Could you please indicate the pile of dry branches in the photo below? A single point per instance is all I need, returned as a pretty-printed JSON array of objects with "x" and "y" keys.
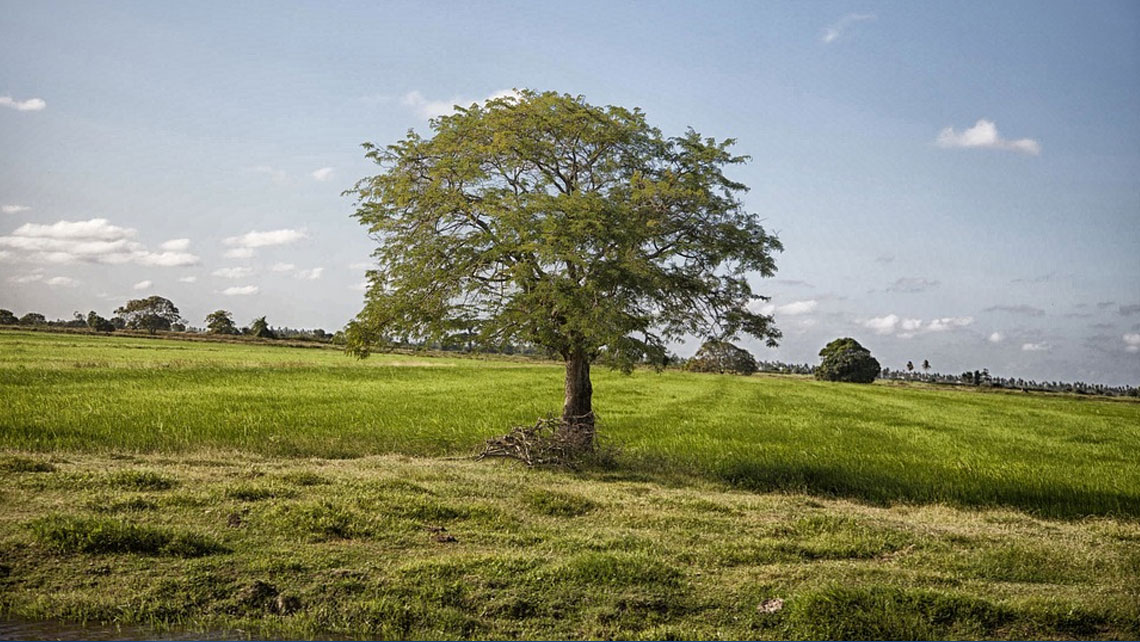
[{"x": 549, "y": 442}]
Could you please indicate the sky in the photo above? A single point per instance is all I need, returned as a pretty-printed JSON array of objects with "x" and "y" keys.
[{"x": 952, "y": 181}]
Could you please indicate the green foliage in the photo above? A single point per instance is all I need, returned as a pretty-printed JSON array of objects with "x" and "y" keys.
[
  {"x": 845, "y": 360},
  {"x": 260, "y": 328},
  {"x": 72, "y": 534},
  {"x": 722, "y": 357},
  {"x": 33, "y": 318},
  {"x": 98, "y": 323},
  {"x": 543, "y": 220},
  {"x": 221, "y": 322},
  {"x": 152, "y": 314},
  {"x": 7, "y": 318}
]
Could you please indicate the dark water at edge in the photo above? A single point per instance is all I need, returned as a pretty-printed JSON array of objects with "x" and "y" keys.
[{"x": 57, "y": 630}]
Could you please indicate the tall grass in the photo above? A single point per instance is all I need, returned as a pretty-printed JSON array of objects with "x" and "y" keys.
[{"x": 1055, "y": 456}]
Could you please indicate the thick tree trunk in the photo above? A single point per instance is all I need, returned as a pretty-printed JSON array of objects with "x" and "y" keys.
[{"x": 577, "y": 411}]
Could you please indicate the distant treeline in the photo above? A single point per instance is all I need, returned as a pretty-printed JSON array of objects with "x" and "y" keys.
[
  {"x": 466, "y": 343},
  {"x": 980, "y": 378}
]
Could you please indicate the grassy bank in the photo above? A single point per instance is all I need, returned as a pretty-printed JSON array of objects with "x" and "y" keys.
[
  {"x": 397, "y": 547},
  {"x": 1051, "y": 456}
]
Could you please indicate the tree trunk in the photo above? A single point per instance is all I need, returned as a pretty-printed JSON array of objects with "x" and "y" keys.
[{"x": 577, "y": 411}]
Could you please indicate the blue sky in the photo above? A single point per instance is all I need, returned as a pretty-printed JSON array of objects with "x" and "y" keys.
[{"x": 958, "y": 182}]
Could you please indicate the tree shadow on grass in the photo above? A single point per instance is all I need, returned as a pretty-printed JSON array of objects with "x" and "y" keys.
[{"x": 972, "y": 491}]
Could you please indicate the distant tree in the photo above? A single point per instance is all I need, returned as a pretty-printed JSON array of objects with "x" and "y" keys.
[
  {"x": 119, "y": 322},
  {"x": 925, "y": 365},
  {"x": 33, "y": 318},
  {"x": 7, "y": 318},
  {"x": 260, "y": 328},
  {"x": 152, "y": 314},
  {"x": 910, "y": 366},
  {"x": 98, "y": 323},
  {"x": 221, "y": 322},
  {"x": 722, "y": 357},
  {"x": 845, "y": 360},
  {"x": 178, "y": 327}
]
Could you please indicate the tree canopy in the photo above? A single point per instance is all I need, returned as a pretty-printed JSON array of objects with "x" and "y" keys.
[
  {"x": 260, "y": 328},
  {"x": 541, "y": 219},
  {"x": 221, "y": 322},
  {"x": 722, "y": 357},
  {"x": 845, "y": 360},
  {"x": 152, "y": 314}
]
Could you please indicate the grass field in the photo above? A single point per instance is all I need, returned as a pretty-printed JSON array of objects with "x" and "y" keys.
[{"x": 874, "y": 511}]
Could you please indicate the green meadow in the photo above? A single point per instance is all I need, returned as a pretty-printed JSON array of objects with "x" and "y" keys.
[{"x": 297, "y": 492}]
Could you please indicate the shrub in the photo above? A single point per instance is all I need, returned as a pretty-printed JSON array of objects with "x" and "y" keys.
[
  {"x": 845, "y": 360},
  {"x": 722, "y": 357}
]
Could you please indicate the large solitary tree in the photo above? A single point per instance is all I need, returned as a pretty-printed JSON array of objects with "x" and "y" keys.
[{"x": 542, "y": 219}]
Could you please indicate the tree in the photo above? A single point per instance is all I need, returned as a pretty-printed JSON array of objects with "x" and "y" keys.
[
  {"x": 152, "y": 314},
  {"x": 260, "y": 328},
  {"x": 721, "y": 357},
  {"x": 845, "y": 360},
  {"x": 7, "y": 318},
  {"x": 221, "y": 322},
  {"x": 98, "y": 323},
  {"x": 910, "y": 366},
  {"x": 33, "y": 318},
  {"x": 925, "y": 365},
  {"x": 541, "y": 219}
]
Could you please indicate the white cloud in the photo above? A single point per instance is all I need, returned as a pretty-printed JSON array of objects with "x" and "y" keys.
[
  {"x": 62, "y": 281},
  {"x": 359, "y": 287},
  {"x": 1035, "y": 347},
  {"x": 984, "y": 134},
  {"x": 425, "y": 108},
  {"x": 257, "y": 239},
  {"x": 948, "y": 323},
  {"x": 311, "y": 275},
  {"x": 240, "y": 290},
  {"x": 908, "y": 328},
  {"x": 795, "y": 308},
  {"x": 363, "y": 265},
  {"x": 31, "y": 104},
  {"x": 996, "y": 337},
  {"x": 233, "y": 272},
  {"x": 176, "y": 245},
  {"x": 188, "y": 279},
  {"x": 1132, "y": 342},
  {"x": 832, "y": 33},
  {"x": 882, "y": 325},
  {"x": 92, "y": 241},
  {"x": 14, "y": 209},
  {"x": 238, "y": 253},
  {"x": 323, "y": 174},
  {"x": 282, "y": 267},
  {"x": 142, "y": 285}
]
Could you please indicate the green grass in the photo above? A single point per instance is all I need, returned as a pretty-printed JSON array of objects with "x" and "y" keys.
[
  {"x": 397, "y": 547},
  {"x": 1053, "y": 456},
  {"x": 298, "y": 493}
]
